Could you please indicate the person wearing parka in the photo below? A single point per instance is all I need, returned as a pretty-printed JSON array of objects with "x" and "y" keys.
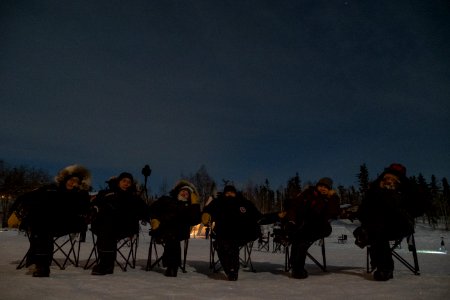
[
  {"x": 52, "y": 211},
  {"x": 116, "y": 215},
  {"x": 308, "y": 219},
  {"x": 386, "y": 214},
  {"x": 237, "y": 222},
  {"x": 172, "y": 217}
]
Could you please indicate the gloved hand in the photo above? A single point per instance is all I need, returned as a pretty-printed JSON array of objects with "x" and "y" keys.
[
  {"x": 154, "y": 224},
  {"x": 194, "y": 198},
  {"x": 361, "y": 237},
  {"x": 13, "y": 221},
  {"x": 206, "y": 218}
]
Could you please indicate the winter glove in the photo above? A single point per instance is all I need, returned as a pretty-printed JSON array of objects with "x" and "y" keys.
[
  {"x": 206, "y": 218},
  {"x": 154, "y": 224},
  {"x": 194, "y": 198},
  {"x": 13, "y": 221},
  {"x": 361, "y": 237},
  {"x": 282, "y": 214}
]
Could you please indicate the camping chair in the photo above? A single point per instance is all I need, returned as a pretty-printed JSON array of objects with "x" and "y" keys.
[
  {"x": 245, "y": 257},
  {"x": 126, "y": 252},
  {"x": 279, "y": 241},
  {"x": 397, "y": 245},
  {"x": 263, "y": 242},
  {"x": 64, "y": 245},
  {"x": 154, "y": 259},
  {"x": 342, "y": 239},
  {"x": 323, "y": 265}
]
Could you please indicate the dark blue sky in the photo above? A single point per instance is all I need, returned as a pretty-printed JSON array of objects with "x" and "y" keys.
[{"x": 250, "y": 89}]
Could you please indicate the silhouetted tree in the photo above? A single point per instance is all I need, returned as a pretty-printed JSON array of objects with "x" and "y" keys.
[
  {"x": 363, "y": 179},
  {"x": 293, "y": 187},
  {"x": 204, "y": 183},
  {"x": 17, "y": 180}
]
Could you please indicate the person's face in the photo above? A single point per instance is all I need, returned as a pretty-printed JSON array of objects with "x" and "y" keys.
[
  {"x": 183, "y": 194},
  {"x": 324, "y": 190},
  {"x": 72, "y": 183},
  {"x": 125, "y": 183},
  {"x": 390, "y": 182},
  {"x": 230, "y": 194}
]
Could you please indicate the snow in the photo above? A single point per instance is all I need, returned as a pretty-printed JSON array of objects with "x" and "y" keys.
[{"x": 346, "y": 276}]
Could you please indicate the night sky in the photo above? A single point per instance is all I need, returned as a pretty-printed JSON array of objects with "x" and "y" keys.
[{"x": 250, "y": 89}]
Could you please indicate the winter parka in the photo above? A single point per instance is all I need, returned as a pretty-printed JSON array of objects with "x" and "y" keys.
[
  {"x": 176, "y": 217},
  {"x": 235, "y": 218},
  {"x": 120, "y": 211},
  {"x": 389, "y": 214},
  {"x": 310, "y": 213},
  {"x": 53, "y": 209}
]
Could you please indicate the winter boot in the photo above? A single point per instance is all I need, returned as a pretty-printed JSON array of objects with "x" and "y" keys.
[
  {"x": 232, "y": 275},
  {"x": 383, "y": 275},
  {"x": 106, "y": 263},
  {"x": 41, "y": 271},
  {"x": 42, "y": 266},
  {"x": 299, "y": 274},
  {"x": 171, "y": 271}
]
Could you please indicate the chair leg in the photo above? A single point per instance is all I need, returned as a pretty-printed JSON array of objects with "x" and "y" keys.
[
  {"x": 247, "y": 259},
  {"x": 150, "y": 264},
  {"x": 186, "y": 245},
  {"x": 322, "y": 266},
  {"x": 214, "y": 264},
  {"x": 23, "y": 261},
  {"x": 413, "y": 268},
  {"x": 94, "y": 253},
  {"x": 126, "y": 258},
  {"x": 59, "y": 247},
  {"x": 73, "y": 239},
  {"x": 287, "y": 258}
]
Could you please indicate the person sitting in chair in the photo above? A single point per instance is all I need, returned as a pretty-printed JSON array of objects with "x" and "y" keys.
[
  {"x": 53, "y": 210},
  {"x": 237, "y": 222},
  {"x": 116, "y": 215},
  {"x": 308, "y": 219},
  {"x": 171, "y": 219},
  {"x": 387, "y": 213}
]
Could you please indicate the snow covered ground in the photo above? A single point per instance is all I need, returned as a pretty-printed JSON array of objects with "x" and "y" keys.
[{"x": 346, "y": 276}]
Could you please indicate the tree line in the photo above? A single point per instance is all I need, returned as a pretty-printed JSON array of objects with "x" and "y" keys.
[{"x": 16, "y": 180}]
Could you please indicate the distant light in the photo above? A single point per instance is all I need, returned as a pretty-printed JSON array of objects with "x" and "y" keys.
[{"x": 431, "y": 252}]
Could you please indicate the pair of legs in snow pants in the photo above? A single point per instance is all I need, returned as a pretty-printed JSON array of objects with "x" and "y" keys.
[
  {"x": 228, "y": 253},
  {"x": 40, "y": 253},
  {"x": 381, "y": 259},
  {"x": 108, "y": 234}
]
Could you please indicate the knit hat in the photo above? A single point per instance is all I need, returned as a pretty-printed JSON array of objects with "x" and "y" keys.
[
  {"x": 125, "y": 175},
  {"x": 326, "y": 181},
  {"x": 229, "y": 188},
  {"x": 396, "y": 169}
]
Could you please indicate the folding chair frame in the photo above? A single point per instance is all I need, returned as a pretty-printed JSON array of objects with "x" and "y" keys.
[
  {"x": 263, "y": 243},
  {"x": 411, "y": 247},
  {"x": 59, "y": 247},
  {"x": 153, "y": 251},
  {"x": 128, "y": 259},
  {"x": 245, "y": 260},
  {"x": 323, "y": 265}
]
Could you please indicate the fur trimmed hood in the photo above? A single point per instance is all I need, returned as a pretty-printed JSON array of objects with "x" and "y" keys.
[
  {"x": 75, "y": 171},
  {"x": 183, "y": 183}
]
